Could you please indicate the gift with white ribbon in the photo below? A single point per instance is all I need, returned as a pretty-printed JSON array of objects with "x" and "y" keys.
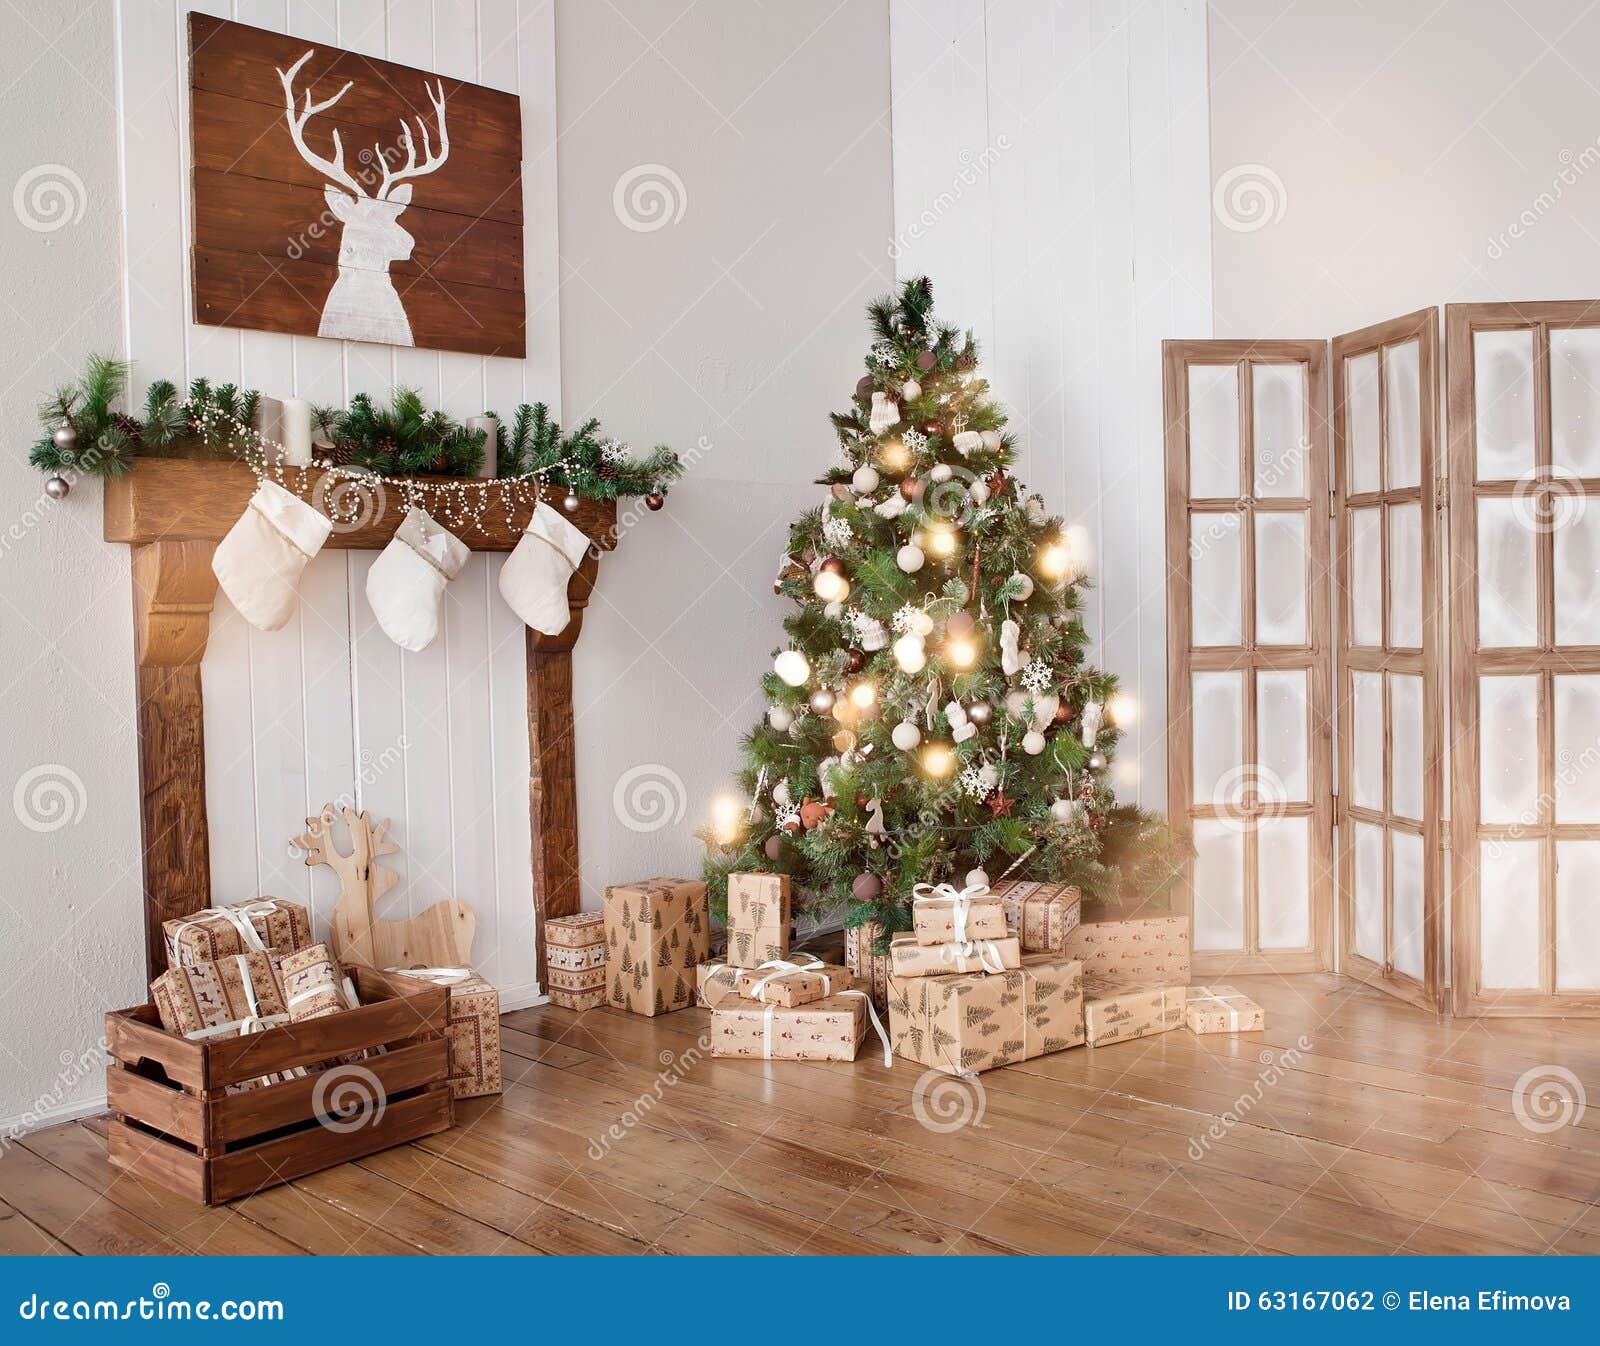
[
  {"x": 943, "y": 914},
  {"x": 253, "y": 926},
  {"x": 831, "y": 1029},
  {"x": 790, "y": 982},
  {"x": 1221, "y": 1009},
  {"x": 907, "y": 958}
]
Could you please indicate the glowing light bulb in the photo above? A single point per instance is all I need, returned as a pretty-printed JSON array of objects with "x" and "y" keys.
[
  {"x": 894, "y": 455},
  {"x": 941, "y": 542},
  {"x": 725, "y": 810},
  {"x": 910, "y": 653},
  {"x": 863, "y": 696},
  {"x": 938, "y": 760},
  {"x": 961, "y": 652},
  {"x": 831, "y": 587},
  {"x": 1055, "y": 559},
  {"x": 1122, "y": 709},
  {"x": 792, "y": 667}
]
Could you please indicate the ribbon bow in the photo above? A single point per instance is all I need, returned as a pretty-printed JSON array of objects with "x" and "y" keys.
[
  {"x": 239, "y": 918},
  {"x": 929, "y": 893},
  {"x": 439, "y": 976},
  {"x": 781, "y": 968}
]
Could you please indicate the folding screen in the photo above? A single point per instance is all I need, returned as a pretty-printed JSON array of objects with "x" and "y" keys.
[{"x": 1249, "y": 754}]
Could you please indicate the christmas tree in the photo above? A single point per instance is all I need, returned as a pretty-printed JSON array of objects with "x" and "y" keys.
[{"x": 931, "y": 716}]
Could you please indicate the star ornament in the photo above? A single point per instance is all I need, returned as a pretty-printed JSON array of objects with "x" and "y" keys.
[{"x": 999, "y": 805}]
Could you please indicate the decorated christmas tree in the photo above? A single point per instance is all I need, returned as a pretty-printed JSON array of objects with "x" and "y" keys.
[{"x": 931, "y": 716}]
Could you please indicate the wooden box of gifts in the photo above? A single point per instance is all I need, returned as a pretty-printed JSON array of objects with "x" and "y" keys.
[{"x": 193, "y": 1115}]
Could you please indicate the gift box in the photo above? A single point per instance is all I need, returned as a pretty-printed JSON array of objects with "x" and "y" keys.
[
  {"x": 968, "y": 1022},
  {"x": 559, "y": 979},
  {"x": 1221, "y": 1009},
  {"x": 716, "y": 982},
  {"x": 472, "y": 1028},
  {"x": 791, "y": 983},
  {"x": 216, "y": 998},
  {"x": 1122, "y": 1013},
  {"x": 579, "y": 1001},
  {"x": 758, "y": 918},
  {"x": 907, "y": 958},
  {"x": 315, "y": 985},
  {"x": 244, "y": 927},
  {"x": 871, "y": 969},
  {"x": 657, "y": 932},
  {"x": 1150, "y": 952},
  {"x": 1040, "y": 915},
  {"x": 824, "y": 1030},
  {"x": 590, "y": 958},
  {"x": 942, "y": 915},
  {"x": 575, "y": 932}
]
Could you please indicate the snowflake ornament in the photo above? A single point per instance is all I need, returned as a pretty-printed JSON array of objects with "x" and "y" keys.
[
  {"x": 914, "y": 440},
  {"x": 787, "y": 819},
  {"x": 973, "y": 784},
  {"x": 614, "y": 451},
  {"x": 884, "y": 353},
  {"x": 905, "y": 619},
  {"x": 837, "y": 532},
  {"x": 1036, "y": 677}
]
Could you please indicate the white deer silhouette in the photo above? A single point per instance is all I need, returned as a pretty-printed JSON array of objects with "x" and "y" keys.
[{"x": 363, "y": 304}]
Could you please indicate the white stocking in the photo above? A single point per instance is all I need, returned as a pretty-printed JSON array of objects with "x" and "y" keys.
[
  {"x": 533, "y": 580},
  {"x": 259, "y": 563},
  {"x": 406, "y": 584}
]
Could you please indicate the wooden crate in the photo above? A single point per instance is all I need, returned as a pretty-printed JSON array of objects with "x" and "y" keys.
[{"x": 175, "y": 1123}]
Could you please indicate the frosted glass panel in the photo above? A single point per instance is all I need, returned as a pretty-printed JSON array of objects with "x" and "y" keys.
[
  {"x": 1402, "y": 376},
  {"x": 1405, "y": 854},
  {"x": 1361, "y": 422},
  {"x": 1576, "y": 524},
  {"x": 1577, "y": 732},
  {"x": 1369, "y": 891},
  {"x": 1283, "y": 896},
  {"x": 1278, "y": 419},
  {"x": 1218, "y": 733},
  {"x": 1507, "y": 611},
  {"x": 1575, "y": 400},
  {"x": 1214, "y": 432},
  {"x": 1405, "y": 577},
  {"x": 1503, "y": 384},
  {"x": 1577, "y": 915},
  {"x": 1366, "y": 593},
  {"x": 1281, "y": 734},
  {"x": 1366, "y": 740},
  {"x": 1508, "y": 914},
  {"x": 1405, "y": 744},
  {"x": 1214, "y": 571},
  {"x": 1218, "y": 885},
  {"x": 1507, "y": 750},
  {"x": 1280, "y": 579}
]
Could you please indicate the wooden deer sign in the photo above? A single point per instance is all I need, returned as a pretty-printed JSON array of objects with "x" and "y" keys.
[{"x": 441, "y": 936}]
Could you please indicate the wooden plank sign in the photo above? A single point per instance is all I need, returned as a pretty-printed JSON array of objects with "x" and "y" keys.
[{"x": 340, "y": 196}]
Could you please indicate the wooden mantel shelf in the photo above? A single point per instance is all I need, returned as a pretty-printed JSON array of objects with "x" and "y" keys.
[{"x": 173, "y": 512}]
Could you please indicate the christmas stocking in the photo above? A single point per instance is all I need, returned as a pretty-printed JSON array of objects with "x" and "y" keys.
[
  {"x": 406, "y": 584},
  {"x": 534, "y": 578},
  {"x": 259, "y": 563}
]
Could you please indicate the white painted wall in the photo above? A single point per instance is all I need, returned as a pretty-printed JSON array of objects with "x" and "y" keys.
[{"x": 1050, "y": 174}]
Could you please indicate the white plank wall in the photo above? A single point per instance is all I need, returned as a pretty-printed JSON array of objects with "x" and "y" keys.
[
  {"x": 1051, "y": 174},
  {"x": 328, "y": 708}
]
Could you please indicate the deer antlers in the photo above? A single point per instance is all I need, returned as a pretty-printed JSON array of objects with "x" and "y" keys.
[{"x": 334, "y": 169}]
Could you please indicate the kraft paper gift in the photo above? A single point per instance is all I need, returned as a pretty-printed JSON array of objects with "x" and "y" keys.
[
  {"x": 244, "y": 927},
  {"x": 758, "y": 918},
  {"x": 907, "y": 958},
  {"x": 970, "y": 1022},
  {"x": 590, "y": 958},
  {"x": 575, "y": 932},
  {"x": 1153, "y": 951},
  {"x": 1122, "y": 1013},
  {"x": 560, "y": 979},
  {"x": 944, "y": 915},
  {"x": 715, "y": 983},
  {"x": 657, "y": 931},
  {"x": 315, "y": 985},
  {"x": 795, "y": 981},
  {"x": 871, "y": 969},
  {"x": 1221, "y": 1009},
  {"x": 824, "y": 1030},
  {"x": 472, "y": 1029},
  {"x": 1040, "y": 915},
  {"x": 579, "y": 1001},
  {"x": 232, "y": 996}
]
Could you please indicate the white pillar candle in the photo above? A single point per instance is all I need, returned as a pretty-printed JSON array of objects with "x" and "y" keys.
[
  {"x": 296, "y": 432},
  {"x": 269, "y": 425},
  {"x": 490, "y": 425}
]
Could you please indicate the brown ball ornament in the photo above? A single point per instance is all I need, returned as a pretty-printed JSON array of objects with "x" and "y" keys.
[
  {"x": 833, "y": 565},
  {"x": 979, "y": 712},
  {"x": 866, "y": 887},
  {"x": 774, "y": 847},
  {"x": 910, "y": 488},
  {"x": 655, "y": 500},
  {"x": 934, "y": 428},
  {"x": 959, "y": 624},
  {"x": 854, "y": 661},
  {"x": 864, "y": 386},
  {"x": 1063, "y": 712},
  {"x": 926, "y": 361},
  {"x": 821, "y": 701}
]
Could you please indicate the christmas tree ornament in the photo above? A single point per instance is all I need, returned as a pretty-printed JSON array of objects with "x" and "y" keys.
[
  {"x": 844, "y": 741},
  {"x": 979, "y": 713},
  {"x": 812, "y": 813},
  {"x": 977, "y": 878},
  {"x": 792, "y": 667},
  {"x": 57, "y": 487},
  {"x": 534, "y": 579},
  {"x": 831, "y": 565},
  {"x": 1094, "y": 714},
  {"x": 780, "y": 793},
  {"x": 910, "y": 558},
  {"x": 781, "y": 717},
  {"x": 927, "y": 362},
  {"x": 839, "y": 491},
  {"x": 967, "y": 442},
  {"x": 990, "y": 440},
  {"x": 773, "y": 849},
  {"x": 1000, "y": 804},
  {"x": 911, "y": 390},
  {"x": 64, "y": 436},
  {"x": 865, "y": 479},
  {"x": 1022, "y": 584},
  {"x": 891, "y": 507},
  {"x": 885, "y": 414},
  {"x": 959, "y": 623},
  {"x": 905, "y": 736},
  {"x": 1097, "y": 761},
  {"x": 909, "y": 489},
  {"x": 258, "y": 564},
  {"x": 979, "y": 492},
  {"x": 854, "y": 661},
  {"x": 863, "y": 696},
  {"x": 654, "y": 500},
  {"x": 920, "y": 621},
  {"x": 864, "y": 386},
  {"x": 833, "y": 611},
  {"x": 910, "y": 653},
  {"x": 825, "y": 769},
  {"x": 1012, "y": 659},
  {"x": 1067, "y": 812},
  {"x": 830, "y": 586},
  {"x": 1033, "y": 511},
  {"x": 941, "y": 473},
  {"x": 821, "y": 701},
  {"x": 866, "y": 887},
  {"x": 961, "y": 729},
  {"x": 938, "y": 760},
  {"x": 934, "y": 427},
  {"x": 1063, "y": 713},
  {"x": 405, "y": 585},
  {"x": 1033, "y": 743},
  {"x": 875, "y": 828},
  {"x": 570, "y": 502}
]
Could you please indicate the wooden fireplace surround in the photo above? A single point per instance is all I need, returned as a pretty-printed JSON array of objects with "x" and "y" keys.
[{"x": 173, "y": 512}]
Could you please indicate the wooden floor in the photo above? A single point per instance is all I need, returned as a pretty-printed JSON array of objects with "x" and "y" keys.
[{"x": 1387, "y": 1132}]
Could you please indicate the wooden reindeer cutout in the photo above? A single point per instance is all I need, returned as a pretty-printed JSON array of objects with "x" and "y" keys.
[{"x": 441, "y": 936}]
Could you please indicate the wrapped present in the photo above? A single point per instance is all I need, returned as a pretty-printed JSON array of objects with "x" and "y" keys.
[
  {"x": 968, "y": 1022},
  {"x": 825, "y": 1030},
  {"x": 579, "y": 1001},
  {"x": 315, "y": 985},
  {"x": 1153, "y": 951},
  {"x": 871, "y": 969},
  {"x": 472, "y": 1028},
  {"x": 255, "y": 926},
  {"x": 758, "y": 918},
  {"x": 559, "y": 979},
  {"x": 907, "y": 958},
  {"x": 1122, "y": 1013},
  {"x": 590, "y": 958},
  {"x": 942, "y": 914},
  {"x": 575, "y": 932},
  {"x": 794, "y": 981},
  {"x": 1221, "y": 1009},
  {"x": 1040, "y": 915},
  {"x": 216, "y": 997},
  {"x": 657, "y": 932},
  {"x": 716, "y": 982}
]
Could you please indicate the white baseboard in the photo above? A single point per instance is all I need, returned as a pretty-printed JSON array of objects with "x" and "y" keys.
[
  {"x": 37, "y": 1119},
  {"x": 522, "y": 997}
]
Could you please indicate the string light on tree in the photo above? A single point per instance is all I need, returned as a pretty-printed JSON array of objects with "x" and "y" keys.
[
  {"x": 792, "y": 667},
  {"x": 938, "y": 760}
]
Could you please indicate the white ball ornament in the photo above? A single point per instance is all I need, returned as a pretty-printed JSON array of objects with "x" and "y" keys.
[
  {"x": 911, "y": 390},
  {"x": 991, "y": 440},
  {"x": 832, "y": 611},
  {"x": 1033, "y": 743},
  {"x": 780, "y": 793},
  {"x": 792, "y": 667},
  {"x": 905, "y": 736},
  {"x": 1024, "y": 585},
  {"x": 977, "y": 878},
  {"x": 921, "y": 621},
  {"x": 909, "y": 558},
  {"x": 865, "y": 479},
  {"x": 780, "y": 718},
  {"x": 979, "y": 491},
  {"x": 940, "y": 472},
  {"x": 910, "y": 653}
]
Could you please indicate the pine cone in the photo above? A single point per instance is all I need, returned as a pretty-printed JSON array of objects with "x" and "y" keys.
[
  {"x": 129, "y": 425},
  {"x": 605, "y": 471}
]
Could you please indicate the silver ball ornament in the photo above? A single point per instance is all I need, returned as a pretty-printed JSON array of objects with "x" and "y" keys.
[
  {"x": 979, "y": 712},
  {"x": 571, "y": 503},
  {"x": 822, "y": 701},
  {"x": 64, "y": 436},
  {"x": 1097, "y": 761},
  {"x": 57, "y": 487}
]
